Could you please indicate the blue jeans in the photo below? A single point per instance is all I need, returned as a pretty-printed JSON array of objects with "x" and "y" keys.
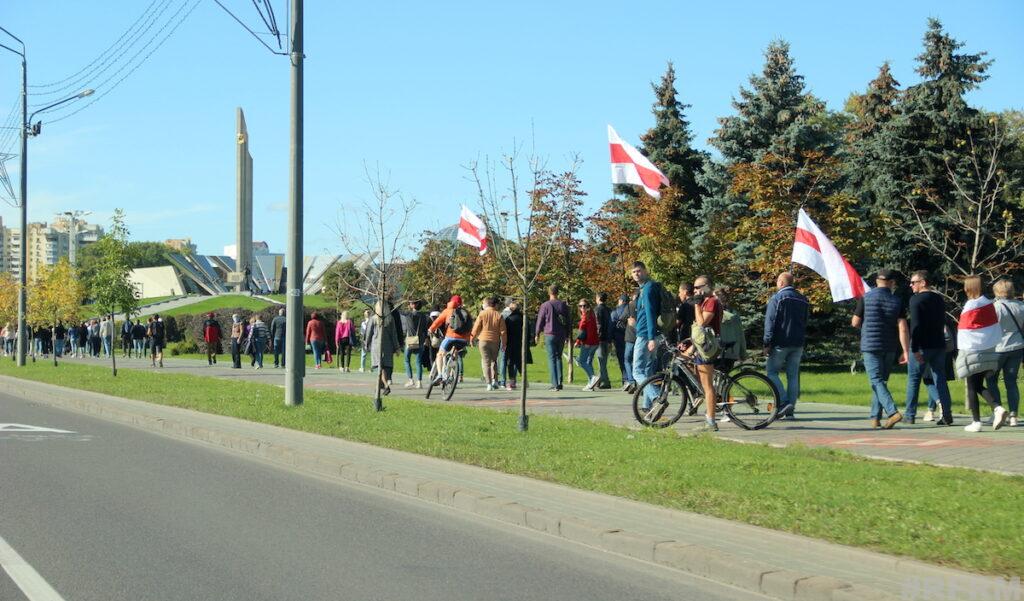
[
  {"x": 58, "y": 347},
  {"x": 106, "y": 345},
  {"x": 627, "y": 363},
  {"x": 279, "y": 351},
  {"x": 878, "y": 365},
  {"x": 1009, "y": 365},
  {"x": 258, "y": 344},
  {"x": 935, "y": 359},
  {"x": 620, "y": 356},
  {"x": 140, "y": 346},
  {"x": 409, "y": 354},
  {"x": 502, "y": 368},
  {"x": 787, "y": 358},
  {"x": 644, "y": 364},
  {"x": 586, "y": 360},
  {"x": 318, "y": 351},
  {"x": 554, "y": 347}
]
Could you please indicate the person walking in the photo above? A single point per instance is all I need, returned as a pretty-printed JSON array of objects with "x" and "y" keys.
[
  {"x": 605, "y": 331},
  {"x": 927, "y": 347},
  {"x": 382, "y": 340},
  {"x": 553, "y": 323},
  {"x": 491, "y": 334},
  {"x": 94, "y": 338},
  {"x": 278, "y": 327},
  {"x": 107, "y": 336},
  {"x": 785, "y": 332},
  {"x": 514, "y": 324},
  {"x": 882, "y": 320},
  {"x": 708, "y": 312},
  {"x": 363, "y": 349},
  {"x": 158, "y": 337},
  {"x": 1010, "y": 348},
  {"x": 978, "y": 334},
  {"x": 126, "y": 337},
  {"x": 139, "y": 338},
  {"x": 83, "y": 339},
  {"x": 259, "y": 335},
  {"x": 316, "y": 338},
  {"x": 628, "y": 323},
  {"x": 619, "y": 335},
  {"x": 588, "y": 341},
  {"x": 648, "y": 307},
  {"x": 211, "y": 338},
  {"x": 414, "y": 327},
  {"x": 237, "y": 331},
  {"x": 344, "y": 341}
]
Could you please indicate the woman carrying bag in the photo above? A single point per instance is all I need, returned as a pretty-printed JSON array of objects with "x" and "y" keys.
[{"x": 978, "y": 334}]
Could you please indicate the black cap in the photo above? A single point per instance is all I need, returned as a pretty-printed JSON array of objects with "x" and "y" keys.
[{"x": 886, "y": 274}]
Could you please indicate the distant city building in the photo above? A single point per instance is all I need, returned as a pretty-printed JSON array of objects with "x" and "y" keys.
[
  {"x": 47, "y": 244},
  {"x": 182, "y": 245}
]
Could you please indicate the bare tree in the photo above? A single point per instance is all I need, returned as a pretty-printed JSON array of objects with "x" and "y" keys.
[
  {"x": 979, "y": 230},
  {"x": 520, "y": 251},
  {"x": 378, "y": 228}
]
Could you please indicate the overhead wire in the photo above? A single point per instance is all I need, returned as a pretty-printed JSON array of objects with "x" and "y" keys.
[
  {"x": 101, "y": 55},
  {"x": 83, "y": 81},
  {"x": 10, "y": 127},
  {"x": 106, "y": 90}
]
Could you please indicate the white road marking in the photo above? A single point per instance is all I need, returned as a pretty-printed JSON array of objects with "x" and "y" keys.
[
  {"x": 26, "y": 428},
  {"x": 23, "y": 575}
]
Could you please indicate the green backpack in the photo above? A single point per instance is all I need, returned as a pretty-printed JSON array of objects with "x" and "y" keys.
[
  {"x": 705, "y": 342},
  {"x": 667, "y": 316}
]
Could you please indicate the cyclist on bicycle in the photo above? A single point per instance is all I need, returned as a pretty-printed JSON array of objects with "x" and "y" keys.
[{"x": 458, "y": 325}]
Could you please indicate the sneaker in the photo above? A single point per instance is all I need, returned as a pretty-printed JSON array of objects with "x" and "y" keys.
[
  {"x": 419, "y": 383},
  {"x": 944, "y": 421},
  {"x": 973, "y": 427},
  {"x": 929, "y": 416},
  {"x": 625, "y": 387},
  {"x": 490, "y": 387},
  {"x": 1013, "y": 421},
  {"x": 725, "y": 418},
  {"x": 894, "y": 419},
  {"x": 510, "y": 387},
  {"x": 938, "y": 412},
  {"x": 999, "y": 417},
  {"x": 410, "y": 384},
  {"x": 875, "y": 423},
  {"x": 709, "y": 425},
  {"x": 592, "y": 383},
  {"x": 361, "y": 370}
]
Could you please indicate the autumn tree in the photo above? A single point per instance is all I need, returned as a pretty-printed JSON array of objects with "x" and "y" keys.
[
  {"x": 111, "y": 286},
  {"x": 8, "y": 298},
  {"x": 56, "y": 298}
]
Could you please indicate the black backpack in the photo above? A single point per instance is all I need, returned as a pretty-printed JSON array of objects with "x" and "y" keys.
[
  {"x": 460, "y": 321},
  {"x": 158, "y": 329}
]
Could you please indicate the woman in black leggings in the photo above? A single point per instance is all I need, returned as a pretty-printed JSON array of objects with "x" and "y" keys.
[{"x": 978, "y": 333}]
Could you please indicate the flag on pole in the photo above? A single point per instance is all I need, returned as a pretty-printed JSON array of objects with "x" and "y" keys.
[
  {"x": 631, "y": 167},
  {"x": 472, "y": 230},
  {"x": 813, "y": 249}
]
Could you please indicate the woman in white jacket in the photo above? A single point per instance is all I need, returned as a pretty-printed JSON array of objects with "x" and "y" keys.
[{"x": 978, "y": 333}]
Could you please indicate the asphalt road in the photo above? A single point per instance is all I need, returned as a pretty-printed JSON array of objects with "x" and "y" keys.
[{"x": 108, "y": 513}]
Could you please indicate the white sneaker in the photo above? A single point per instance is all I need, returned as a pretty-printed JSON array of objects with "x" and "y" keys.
[
  {"x": 1013, "y": 421},
  {"x": 593, "y": 382},
  {"x": 938, "y": 412},
  {"x": 490, "y": 387},
  {"x": 973, "y": 427},
  {"x": 419, "y": 384},
  {"x": 999, "y": 416},
  {"x": 929, "y": 416},
  {"x": 724, "y": 418},
  {"x": 361, "y": 370},
  {"x": 410, "y": 384}
]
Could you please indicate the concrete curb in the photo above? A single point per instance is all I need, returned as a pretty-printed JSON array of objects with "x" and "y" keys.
[{"x": 696, "y": 560}]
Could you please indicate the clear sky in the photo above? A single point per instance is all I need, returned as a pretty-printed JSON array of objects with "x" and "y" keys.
[{"x": 421, "y": 89}]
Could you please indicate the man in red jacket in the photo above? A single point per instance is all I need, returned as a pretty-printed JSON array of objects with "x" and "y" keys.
[{"x": 211, "y": 337}]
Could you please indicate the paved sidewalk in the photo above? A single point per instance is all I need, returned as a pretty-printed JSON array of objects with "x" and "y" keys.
[
  {"x": 838, "y": 426},
  {"x": 780, "y": 565}
]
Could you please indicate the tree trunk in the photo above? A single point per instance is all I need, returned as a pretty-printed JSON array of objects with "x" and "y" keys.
[
  {"x": 523, "y": 418},
  {"x": 53, "y": 341},
  {"x": 113, "y": 355}
]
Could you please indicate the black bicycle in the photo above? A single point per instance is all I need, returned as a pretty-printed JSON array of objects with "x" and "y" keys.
[{"x": 745, "y": 395}]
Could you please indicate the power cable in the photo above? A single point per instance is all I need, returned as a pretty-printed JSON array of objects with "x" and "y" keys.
[
  {"x": 98, "y": 96},
  {"x": 102, "y": 54},
  {"x": 83, "y": 81},
  {"x": 10, "y": 128}
]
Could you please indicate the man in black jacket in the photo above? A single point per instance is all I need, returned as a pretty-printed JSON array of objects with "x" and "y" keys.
[
  {"x": 928, "y": 347},
  {"x": 277, "y": 337},
  {"x": 604, "y": 335}
]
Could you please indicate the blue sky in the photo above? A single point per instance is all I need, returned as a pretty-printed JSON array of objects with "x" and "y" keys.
[{"x": 421, "y": 89}]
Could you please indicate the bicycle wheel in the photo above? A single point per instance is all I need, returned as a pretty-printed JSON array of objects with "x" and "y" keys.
[
  {"x": 750, "y": 400},
  {"x": 669, "y": 404},
  {"x": 433, "y": 378},
  {"x": 450, "y": 379}
]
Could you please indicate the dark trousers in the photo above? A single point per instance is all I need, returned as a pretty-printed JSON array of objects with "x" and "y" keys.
[
  {"x": 279, "y": 351},
  {"x": 602, "y": 364},
  {"x": 976, "y": 386},
  {"x": 236, "y": 354}
]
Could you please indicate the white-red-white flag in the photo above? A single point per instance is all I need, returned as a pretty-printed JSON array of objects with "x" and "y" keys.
[
  {"x": 472, "y": 230},
  {"x": 631, "y": 167},
  {"x": 813, "y": 249},
  {"x": 978, "y": 328}
]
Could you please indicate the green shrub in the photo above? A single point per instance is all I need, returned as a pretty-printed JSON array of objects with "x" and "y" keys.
[{"x": 183, "y": 347}]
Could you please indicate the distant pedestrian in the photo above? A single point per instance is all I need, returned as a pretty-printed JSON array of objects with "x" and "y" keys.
[
  {"x": 882, "y": 319},
  {"x": 648, "y": 307},
  {"x": 139, "y": 338},
  {"x": 628, "y": 322},
  {"x": 126, "y": 337},
  {"x": 382, "y": 335},
  {"x": 158, "y": 338},
  {"x": 553, "y": 323},
  {"x": 619, "y": 336},
  {"x": 928, "y": 347},
  {"x": 345, "y": 340},
  {"x": 83, "y": 339},
  {"x": 684, "y": 313},
  {"x": 237, "y": 331},
  {"x": 259, "y": 335},
  {"x": 514, "y": 324},
  {"x": 1010, "y": 348},
  {"x": 733, "y": 336},
  {"x": 414, "y": 327},
  {"x": 316, "y": 338},
  {"x": 785, "y": 333},
  {"x": 364, "y": 351},
  {"x": 211, "y": 338},
  {"x": 978, "y": 334},
  {"x": 278, "y": 327},
  {"x": 605, "y": 334},
  {"x": 94, "y": 338},
  {"x": 491, "y": 335},
  {"x": 587, "y": 340},
  {"x": 107, "y": 336}
]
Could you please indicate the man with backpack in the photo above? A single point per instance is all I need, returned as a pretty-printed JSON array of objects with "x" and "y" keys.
[
  {"x": 157, "y": 333},
  {"x": 553, "y": 322},
  {"x": 457, "y": 324}
]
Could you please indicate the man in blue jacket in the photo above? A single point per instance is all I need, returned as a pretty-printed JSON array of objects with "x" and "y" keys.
[
  {"x": 648, "y": 307},
  {"x": 785, "y": 329}
]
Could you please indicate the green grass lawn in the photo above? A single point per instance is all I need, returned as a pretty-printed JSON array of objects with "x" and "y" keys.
[
  {"x": 313, "y": 301},
  {"x": 942, "y": 515},
  {"x": 228, "y": 301}
]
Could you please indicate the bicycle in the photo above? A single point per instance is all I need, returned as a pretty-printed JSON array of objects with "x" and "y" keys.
[
  {"x": 448, "y": 376},
  {"x": 744, "y": 394}
]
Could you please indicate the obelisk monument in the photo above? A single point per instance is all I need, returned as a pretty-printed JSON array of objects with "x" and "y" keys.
[{"x": 243, "y": 251}]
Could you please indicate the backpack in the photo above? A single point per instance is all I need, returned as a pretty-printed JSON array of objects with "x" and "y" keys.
[
  {"x": 734, "y": 344},
  {"x": 460, "y": 321},
  {"x": 667, "y": 316},
  {"x": 705, "y": 342},
  {"x": 158, "y": 329}
]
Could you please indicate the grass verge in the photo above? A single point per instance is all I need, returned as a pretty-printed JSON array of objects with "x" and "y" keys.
[
  {"x": 228, "y": 301},
  {"x": 940, "y": 515}
]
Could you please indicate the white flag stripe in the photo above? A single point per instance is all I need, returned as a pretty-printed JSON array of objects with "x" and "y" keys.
[{"x": 812, "y": 248}]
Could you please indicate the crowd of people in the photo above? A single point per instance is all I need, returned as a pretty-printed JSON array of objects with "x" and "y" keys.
[{"x": 92, "y": 338}]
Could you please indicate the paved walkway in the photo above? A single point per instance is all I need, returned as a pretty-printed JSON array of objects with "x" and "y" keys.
[{"x": 820, "y": 424}]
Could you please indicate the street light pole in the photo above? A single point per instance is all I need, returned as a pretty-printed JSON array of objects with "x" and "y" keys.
[
  {"x": 23, "y": 251},
  {"x": 295, "y": 348}
]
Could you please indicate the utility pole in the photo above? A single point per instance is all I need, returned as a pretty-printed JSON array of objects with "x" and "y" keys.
[{"x": 295, "y": 348}]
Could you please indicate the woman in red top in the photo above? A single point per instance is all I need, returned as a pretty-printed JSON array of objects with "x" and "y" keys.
[
  {"x": 588, "y": 341},
  {"x": 316, "y": 337},
  {"x": 709, "y": 314}
]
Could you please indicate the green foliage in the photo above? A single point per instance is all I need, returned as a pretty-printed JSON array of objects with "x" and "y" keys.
[
  {"x": 110, "y": 286},
  {"x": 140, "y": 254},
  {"x": 342, "y": 284}
]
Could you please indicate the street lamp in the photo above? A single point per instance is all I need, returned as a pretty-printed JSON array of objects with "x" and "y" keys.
[{"x": 73, "y": 217}]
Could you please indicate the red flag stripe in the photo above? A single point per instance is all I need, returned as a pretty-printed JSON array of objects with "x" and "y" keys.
[
  {"x": 470, "y": 229},
  {"x": 982, "y": 317},
  {"x": 650, "y": 178},
  {"x": 808, "y": 238},
  {"x": 856, "y": 282}
]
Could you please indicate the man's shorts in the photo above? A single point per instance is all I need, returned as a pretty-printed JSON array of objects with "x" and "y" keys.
[{"x": 457, "y": 343}]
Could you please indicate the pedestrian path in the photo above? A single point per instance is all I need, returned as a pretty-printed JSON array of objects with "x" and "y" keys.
[{"x": 844, "y": 427}]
